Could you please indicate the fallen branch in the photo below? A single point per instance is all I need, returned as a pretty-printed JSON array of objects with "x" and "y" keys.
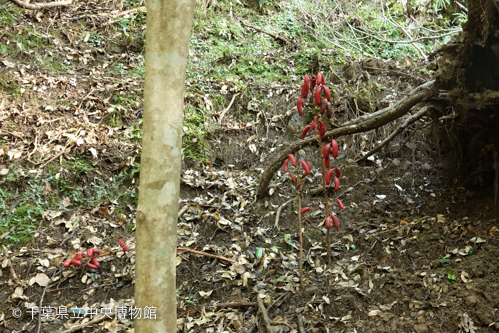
[
  {"x": 276, "y": 36},
  {"x": 41, "y": 5},
  {"x": 205, "y": 254},
  {"x": 399, "y": 130},
  {"x": 90, "y": 323},
  {"x": 278, "y": 213},
  {"x": 366, "y": 123},
  {"x": 299, "y": 319},
  {"x": 264, "y": 313},
  {"x": 235, "y": 305}
]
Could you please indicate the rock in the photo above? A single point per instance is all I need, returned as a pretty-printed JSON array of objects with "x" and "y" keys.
[
  {"x": 396, "y": 162},
  {"x": 426, "y": 166},
  {"x": 472, "y": 300},
  {"x": 420, "y": 328},
  {"x": 405, "y": 165}
]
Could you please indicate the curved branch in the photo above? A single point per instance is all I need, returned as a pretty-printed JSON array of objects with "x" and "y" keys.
[
  {"x": 41, "y": 5},
  {"x": 364, "y": 124},
  {"x": 392, "y": 136}
]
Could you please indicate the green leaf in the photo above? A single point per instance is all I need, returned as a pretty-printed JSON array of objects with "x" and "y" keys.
[
  {"x": 443, "y": 261},
  {"x": 451, "y": 276},
  {"x": 471, "y": 251},
  {"x": 259, "y": 252},
  {"x": 287, "y": 238},
  {"x": 353, "y": 247}
]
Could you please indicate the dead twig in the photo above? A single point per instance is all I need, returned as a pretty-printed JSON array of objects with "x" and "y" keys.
[
  {"x": 265, "y": 316},
  {"x": 276, "y": 36},
  {"x": 206, "y": 254},
  {"x": 236, "y": 305},
  {"x": 91, "y": 322},
  {"x": 278, "y": 213},
  {"x": 38, "y": 5},
  {"x": 299, "y": 319},
  {"x": 399, "y": 130},
  {"x": 227, "y": 108},
  {"x": 41, "y": 303}
]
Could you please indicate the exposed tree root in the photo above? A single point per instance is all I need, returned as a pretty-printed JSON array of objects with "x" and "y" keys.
[
  {"x": 41, "y": 5},
  {"x": 399, "y": 130},
  {"x": 357, "y": 125}
]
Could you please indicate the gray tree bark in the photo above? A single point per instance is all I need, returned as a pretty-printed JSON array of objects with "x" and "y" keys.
[{"x": 169, "y": 24}]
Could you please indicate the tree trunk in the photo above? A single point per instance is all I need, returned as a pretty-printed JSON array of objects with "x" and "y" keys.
[{"x": 169, "y": 26}]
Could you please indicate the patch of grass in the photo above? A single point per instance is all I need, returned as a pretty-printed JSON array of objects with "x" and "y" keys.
[
  {"x": 194, "y": 146},
  {"x": 9, "y": 86},
  {"x": 24, "y": 197}
]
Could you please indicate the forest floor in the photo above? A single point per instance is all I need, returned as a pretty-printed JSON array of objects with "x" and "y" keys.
[{"x": 415, "y": 251}]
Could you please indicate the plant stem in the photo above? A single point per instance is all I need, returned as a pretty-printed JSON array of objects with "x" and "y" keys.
[
  {"x": 300, "y": 235},
  {"x": 324, "y": 188}
]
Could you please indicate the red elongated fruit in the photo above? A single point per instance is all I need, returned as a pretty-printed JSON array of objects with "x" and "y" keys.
[
  {"x": 336, "y": 183},
  {"x": 326, "y": 150},
  {"x": 66, "y": 263},
  {"x": 312, "y": 126},
  {"x": 123, "y": 245},
  {"x": 305, "y": 209},
  {"x": 337, "y": 172},
  {"x": 299, "y": 106},
  {"x": 313, "y": 81},
  {"x": 91, "y": 266},
  {"x": 327, "y": 93},
  {"x": 336, "y": 223},
  {"x": 75, "y": 262},
  {"x": 309, "y": 165},
  {"x": 96, "y": 251},
  {"x": 328, "y": 222},
  {"x": 305, "y": 167},
  {"x": 78, "y": 255},
  {"x": 317, "y": 95},
  {"x": 322, "y": 128},
  {"x": 304, "y": 87},
  {"x": 305, "y": 131},
  {"x": 285, "y": 166},
  {"x": 323, "y": 106},
  {"x": 90, "y": 252},
  {"x": 328, "y": 176},
  {"x": 329, "y": 112},
  {"x": 320, "y": 78},
  {"x": 95, "y": 262},
  {"x": 292, "y": 177},
  {"x": 340, "y": 204},
  {"x": 334, "y": 147},
  {"x": 327, "y": 161},
  {"x": 292, "y": 159}
]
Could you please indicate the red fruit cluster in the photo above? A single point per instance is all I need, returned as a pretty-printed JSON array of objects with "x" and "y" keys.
[
  {"x": 321, "y": 96},
  {"x": 306, "y": 166},
  {"x": 77, "y": 259}
]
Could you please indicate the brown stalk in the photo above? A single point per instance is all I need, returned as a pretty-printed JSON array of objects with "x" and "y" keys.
[{"x": 299, "y": 233}]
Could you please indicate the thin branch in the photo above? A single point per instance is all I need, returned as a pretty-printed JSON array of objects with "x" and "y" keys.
[
  {"x": 41, "y": 5},
  {"x": 264, "y": 313},
  {"x": 205, "y": 254},
  {"x": 399, "y": 130},
  {"x": 227, "y": 108},
  {"x": 91, "y": 322},
  {"x": 276, "y": 36},
  {"x": 235, "y": 305}
]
